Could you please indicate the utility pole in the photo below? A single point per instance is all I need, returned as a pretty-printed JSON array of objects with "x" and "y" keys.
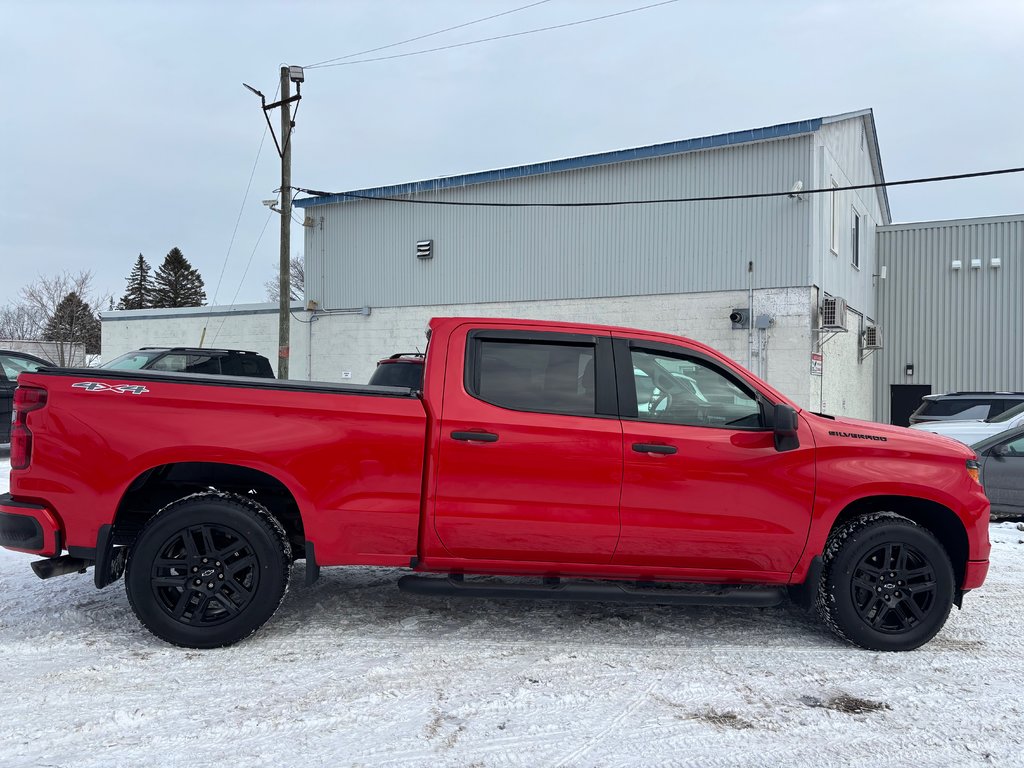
[
  {"x": 289, "y": 75},
  {"x": 284, "y": 307}
]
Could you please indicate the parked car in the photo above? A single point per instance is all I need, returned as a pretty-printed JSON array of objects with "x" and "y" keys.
[
  {"x": 1002, "y": 472},
  {"x": 226, "y": 362},
  {"x": 525, "y": 455},
  {"x": 11, "y": 364},
  {"x": 404, "y": 369},
  {"x": 970, "y": 432},
  {"x": 964, "y": 406}
]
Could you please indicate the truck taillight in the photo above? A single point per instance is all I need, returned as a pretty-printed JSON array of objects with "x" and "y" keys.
[{"x": 26, "y": 400}]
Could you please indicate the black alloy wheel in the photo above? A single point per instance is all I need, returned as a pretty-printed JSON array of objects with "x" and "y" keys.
[
  {"x": 208, "y": 570},
  {"x": 204, "y": 574},
  {"x": 886, "y": 584},
  {"x": 894, "y": 588}
]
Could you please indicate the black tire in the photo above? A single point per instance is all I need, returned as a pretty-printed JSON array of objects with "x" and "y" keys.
[
  {"x": 886, "y": 583},
  {"x": 208, "y": 570}
]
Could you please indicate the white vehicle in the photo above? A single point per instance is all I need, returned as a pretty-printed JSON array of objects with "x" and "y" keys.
[{"x": 970, "y": 432}]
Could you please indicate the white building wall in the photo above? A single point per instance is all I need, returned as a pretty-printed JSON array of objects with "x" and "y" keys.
[
  {"x": 251, "y": 327},
  {"x": 846, "y": 386},
  {"x": 353, "y": 344},
  {"x": 346, "y": 347}
]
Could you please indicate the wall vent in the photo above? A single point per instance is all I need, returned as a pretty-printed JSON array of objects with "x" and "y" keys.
[
  {"x": 425, "y": 249},
  {"x": 833, "y": 313}
]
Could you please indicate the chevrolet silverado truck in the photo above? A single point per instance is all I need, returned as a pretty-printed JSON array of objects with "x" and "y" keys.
[{"x": 538, "y": 460}]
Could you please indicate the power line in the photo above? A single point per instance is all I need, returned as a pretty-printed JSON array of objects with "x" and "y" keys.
[
  {"x": 241, "y": 210},
  {"x": 703, "y": 199},
  {"x": 429, "y": 34},
  {"x": 246, "y": 272},
  {"x": 500, "y": 37}
]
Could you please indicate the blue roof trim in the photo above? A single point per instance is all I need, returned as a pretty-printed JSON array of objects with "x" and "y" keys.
[{"x": 575, "y": 163}]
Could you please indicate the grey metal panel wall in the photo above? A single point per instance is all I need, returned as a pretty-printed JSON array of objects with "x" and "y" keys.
[
  {"x": 962, "y": 329},
  {"x": 845, "y": 156},
  {"x": 363, "y": 252}
]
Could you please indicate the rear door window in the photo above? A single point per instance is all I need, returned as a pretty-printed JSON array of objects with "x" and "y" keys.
[
  {"x": 535, "y": 376},
  {"x": 187, "y": 363}
]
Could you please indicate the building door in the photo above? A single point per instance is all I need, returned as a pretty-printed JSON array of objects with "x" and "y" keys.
[{"x": 904, "y": 399}]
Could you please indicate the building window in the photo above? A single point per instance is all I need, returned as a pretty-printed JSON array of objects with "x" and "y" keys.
[
  {"x": 835, "y": 218},
  {"x": 855, "y": 249}
]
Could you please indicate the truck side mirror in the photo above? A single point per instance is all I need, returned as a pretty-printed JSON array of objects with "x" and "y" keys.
[{"x": 785, "y": 424}]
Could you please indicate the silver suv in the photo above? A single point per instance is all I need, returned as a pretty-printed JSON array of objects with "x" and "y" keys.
[{"x": 965, "y": 406}]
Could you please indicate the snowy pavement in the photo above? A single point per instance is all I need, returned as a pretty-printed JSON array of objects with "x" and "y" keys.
[{"x": 353, "y": 672}]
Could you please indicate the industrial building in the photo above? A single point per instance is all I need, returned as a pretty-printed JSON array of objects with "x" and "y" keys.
[{"x": 817, "y": 292}]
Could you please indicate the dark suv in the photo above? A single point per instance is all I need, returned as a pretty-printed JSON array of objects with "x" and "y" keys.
[
  {"x": 965, "y": 406},
  {"x": 11, "y": 364},
  {"x": 227, "y": 362},
  {"x": 402, "y": 370}
]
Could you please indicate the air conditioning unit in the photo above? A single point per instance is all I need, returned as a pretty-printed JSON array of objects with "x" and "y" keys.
[
  {"x": 833, "y": 313},
  {"x": 872, "y": 337}
]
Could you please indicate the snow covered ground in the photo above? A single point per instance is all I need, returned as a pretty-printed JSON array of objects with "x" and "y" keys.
[{"x": 353, "y": 672}]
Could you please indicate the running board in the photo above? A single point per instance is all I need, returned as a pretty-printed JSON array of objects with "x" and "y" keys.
[{"x": 554, "y": 589}]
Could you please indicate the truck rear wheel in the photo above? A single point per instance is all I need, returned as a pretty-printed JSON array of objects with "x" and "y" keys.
[
  {"x": 208, "y": 570},
  {"x": 887, "y": 583}
]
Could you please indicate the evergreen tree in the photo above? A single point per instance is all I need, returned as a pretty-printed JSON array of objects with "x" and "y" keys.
[
  {"x": 139, "y": 292},
  {"x": 177, "y": 283},
  {"x": 73, "y": 322}
]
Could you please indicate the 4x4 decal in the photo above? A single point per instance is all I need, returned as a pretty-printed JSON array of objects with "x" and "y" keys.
[{"x": 99, "y": 386}]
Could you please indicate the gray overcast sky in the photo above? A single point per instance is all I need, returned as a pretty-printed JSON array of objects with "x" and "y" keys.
[{"x": 126, "y": 128}]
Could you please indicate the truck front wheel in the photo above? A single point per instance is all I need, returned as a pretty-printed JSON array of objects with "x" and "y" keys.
[
  {"x": 208, "y": 570},
  {"x": 887, "y": 583}
]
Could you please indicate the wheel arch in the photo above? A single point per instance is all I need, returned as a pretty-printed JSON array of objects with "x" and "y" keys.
[
  {"x": 941, "y": 521},
  {"x": 158, "y": 486}
]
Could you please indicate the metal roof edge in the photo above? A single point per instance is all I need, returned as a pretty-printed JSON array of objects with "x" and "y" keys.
[
  {"x": 717, "y": 141},
  {"x": 214, "y": 311},
  {"x": 1013, "y": 217}
]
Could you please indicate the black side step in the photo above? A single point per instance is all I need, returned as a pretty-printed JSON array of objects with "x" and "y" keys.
[{"x": 550, "y": 589}]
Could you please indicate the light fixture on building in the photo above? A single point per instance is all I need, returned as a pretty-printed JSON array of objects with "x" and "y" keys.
[
  {"x": 909, "y": 370},
  {"x": 975, "y": 263},
  {"x": 957, "y": 264},
  {"x": 995, "y": 262}
]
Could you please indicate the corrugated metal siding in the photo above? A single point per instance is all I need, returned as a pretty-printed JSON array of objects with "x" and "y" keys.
[
  {"x": 845, "y": 156},
  {"x": 363, "y": 252},
  {"x": 962, "y": 329}
]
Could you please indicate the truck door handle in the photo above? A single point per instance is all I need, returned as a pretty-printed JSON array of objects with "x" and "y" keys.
[
  {"x": 653, "y": 448},
  {"x": 475, "y": 437}
]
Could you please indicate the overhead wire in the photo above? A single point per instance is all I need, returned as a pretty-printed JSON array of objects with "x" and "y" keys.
[
  {"x": 498, "y": 37},
  {"x": 244, "y": 273},
  {"x": 424, "y": 37},
  {"x": 701, "y": 199},
  {"x": 241, "y": 210}
]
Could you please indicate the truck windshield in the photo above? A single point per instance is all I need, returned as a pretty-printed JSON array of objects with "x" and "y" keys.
[{"x": 133, "y": 361}]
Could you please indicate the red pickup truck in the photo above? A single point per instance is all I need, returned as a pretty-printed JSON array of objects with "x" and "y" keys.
[{"x": 575, "y": 462}]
